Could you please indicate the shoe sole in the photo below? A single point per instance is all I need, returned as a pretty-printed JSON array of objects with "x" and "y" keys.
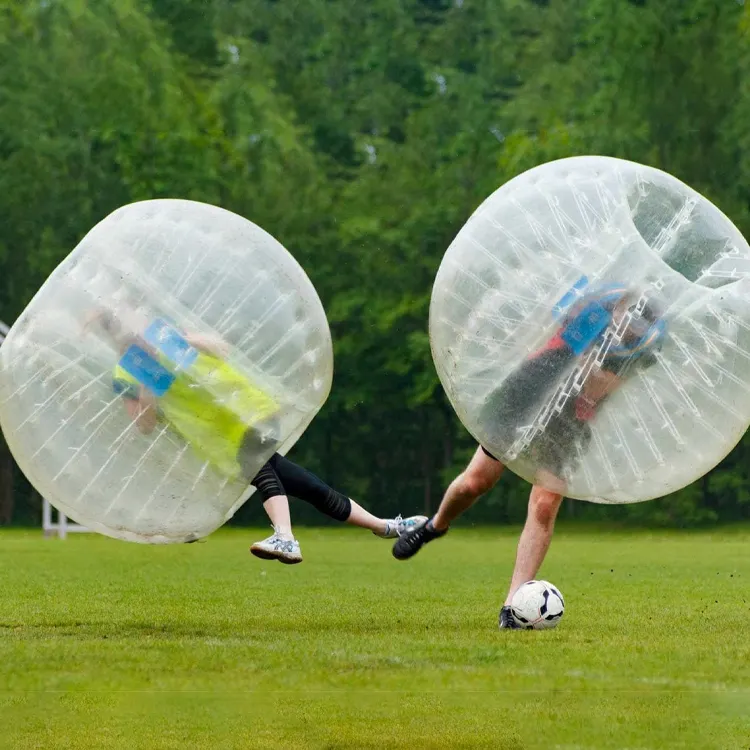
[
  {"x": 408, "y": 556},
  {"x": 411, "y": 551},
  {"x": 263, "y": 555}
]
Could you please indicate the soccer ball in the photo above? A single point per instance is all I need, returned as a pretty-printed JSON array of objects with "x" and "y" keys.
[{"x": 537, "y": 605}]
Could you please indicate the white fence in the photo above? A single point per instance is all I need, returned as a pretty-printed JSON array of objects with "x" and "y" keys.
[{"x": 62, "y": 526}]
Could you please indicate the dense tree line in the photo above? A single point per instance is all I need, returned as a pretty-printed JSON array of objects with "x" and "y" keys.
[{"x": 362, "y": 135}]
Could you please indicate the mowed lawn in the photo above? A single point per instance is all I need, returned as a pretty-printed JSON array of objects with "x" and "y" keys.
[{"x": 104, "y": 644}]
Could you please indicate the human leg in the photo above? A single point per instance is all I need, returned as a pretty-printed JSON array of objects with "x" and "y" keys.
[
  {"x": 275, "y": 501},
  {"x": 303, "y": 484},
  {"x": 387, "y": 528},
  {"x": 266, "y": 481},
  {"x": 557, "y": 451},
  {"x": 480, "y": 476},
  {"x": 482, "y": 473},
  {"x": 536, "y": 536},
  {"x": 281, "y": 545}
]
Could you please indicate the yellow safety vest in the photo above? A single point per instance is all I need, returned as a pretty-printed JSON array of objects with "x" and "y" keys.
[{"x": 210, "y": 405}]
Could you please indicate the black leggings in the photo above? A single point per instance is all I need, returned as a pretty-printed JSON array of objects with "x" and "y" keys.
[{"x": 280, "y": 476}]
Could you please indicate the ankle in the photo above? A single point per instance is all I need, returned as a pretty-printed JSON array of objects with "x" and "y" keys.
[{"x": 439, "y": 526}]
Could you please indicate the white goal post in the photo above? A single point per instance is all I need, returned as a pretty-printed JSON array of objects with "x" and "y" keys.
[{"x": 62, "y": 526}]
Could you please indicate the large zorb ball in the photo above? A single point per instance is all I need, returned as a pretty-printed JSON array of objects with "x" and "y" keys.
[
  {"x": 591, "y": 326},
  {"x": 190, "y": 306}
]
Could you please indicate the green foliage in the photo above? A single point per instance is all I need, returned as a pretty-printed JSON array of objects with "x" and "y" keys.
[
  {"x": 93, "y": 114},
  {"x": 363, "y": 135}
]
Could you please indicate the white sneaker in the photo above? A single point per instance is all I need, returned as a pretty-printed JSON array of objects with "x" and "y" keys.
[
  {"x": 397, "y": 526},
  {"x": 278, "y": 547}
]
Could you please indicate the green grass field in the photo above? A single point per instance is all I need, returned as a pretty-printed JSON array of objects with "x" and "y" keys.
[{"x": 109, "y": 645}]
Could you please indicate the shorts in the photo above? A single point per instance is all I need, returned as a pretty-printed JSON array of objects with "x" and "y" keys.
[
  {"x": 559, "y": 448},
  {"x": 552, "y": 451},
  {"x": 488, "y": 454},
  {"x": 518, "y": 401},
  {"x": 520, "y": 397}
]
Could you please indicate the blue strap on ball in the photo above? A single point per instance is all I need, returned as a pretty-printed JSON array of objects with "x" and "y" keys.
[
  {"x": 166, "y": 339},
  {"x": 150, "y": 373},
  {"x": 570, "y": 298},
  {"x": 146, "y": 370},
  {"x": 586, "y": 327}
]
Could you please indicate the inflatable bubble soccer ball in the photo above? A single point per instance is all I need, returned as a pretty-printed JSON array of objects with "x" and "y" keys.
[
  {"x": 590, "y": 325},
  {"x": 159, "y": 367}
]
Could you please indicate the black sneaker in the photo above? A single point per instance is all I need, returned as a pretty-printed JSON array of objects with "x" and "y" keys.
[
  {"x": 408, "y": 544},
  {"x": 506, "y": 621}
]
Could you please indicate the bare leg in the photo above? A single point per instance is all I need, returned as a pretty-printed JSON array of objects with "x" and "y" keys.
[
  {"x": 281, "y": 545},
  {"x": 277, "y": 509},
  {"x": 535, "y": 537},
  {"x": 364, "y": 519},
  {"x": 303, "y": 484},
  {"x": 380, "y": 526},
  {"x": 481, "y": 475}
]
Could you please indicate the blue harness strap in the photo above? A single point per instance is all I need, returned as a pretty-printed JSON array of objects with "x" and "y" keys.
[
  {"x": 146, "y": 370},
  {"x": 570, "y": 297},
  {"x": 586, "y": 327},
  {"x": 151, "y": 373},
  {"x": 166, "y": 339},
  {"x": 592, "y": 319}
]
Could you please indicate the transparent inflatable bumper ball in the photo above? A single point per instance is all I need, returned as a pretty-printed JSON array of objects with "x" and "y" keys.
[
  {"x": 159, "y": 367},
  {"x": 591, "y": 326}
]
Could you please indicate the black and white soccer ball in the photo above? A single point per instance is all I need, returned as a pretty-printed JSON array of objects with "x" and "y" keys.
[{"x": 537, "y": 605}]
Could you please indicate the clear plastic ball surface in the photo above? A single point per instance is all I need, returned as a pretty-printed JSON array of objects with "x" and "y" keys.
[
  {"x": 590, "y": 325},
  {"x": 159, "y": 367}
]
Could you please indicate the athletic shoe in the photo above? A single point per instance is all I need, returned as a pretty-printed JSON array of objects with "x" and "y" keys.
[
  {"x": 395, "y": 527},
  {"x": 506, "y": 621},
  {"x": 278, "y": 547},
  {"x": 409, "y": 543}
]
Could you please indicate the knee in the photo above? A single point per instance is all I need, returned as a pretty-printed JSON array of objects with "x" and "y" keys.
[
  {"x": 473, "y": 484},
  {"x": 336, "y": 506},
  {"x": 544, "y": 505},
  {"x": 267, "y": 483}
]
